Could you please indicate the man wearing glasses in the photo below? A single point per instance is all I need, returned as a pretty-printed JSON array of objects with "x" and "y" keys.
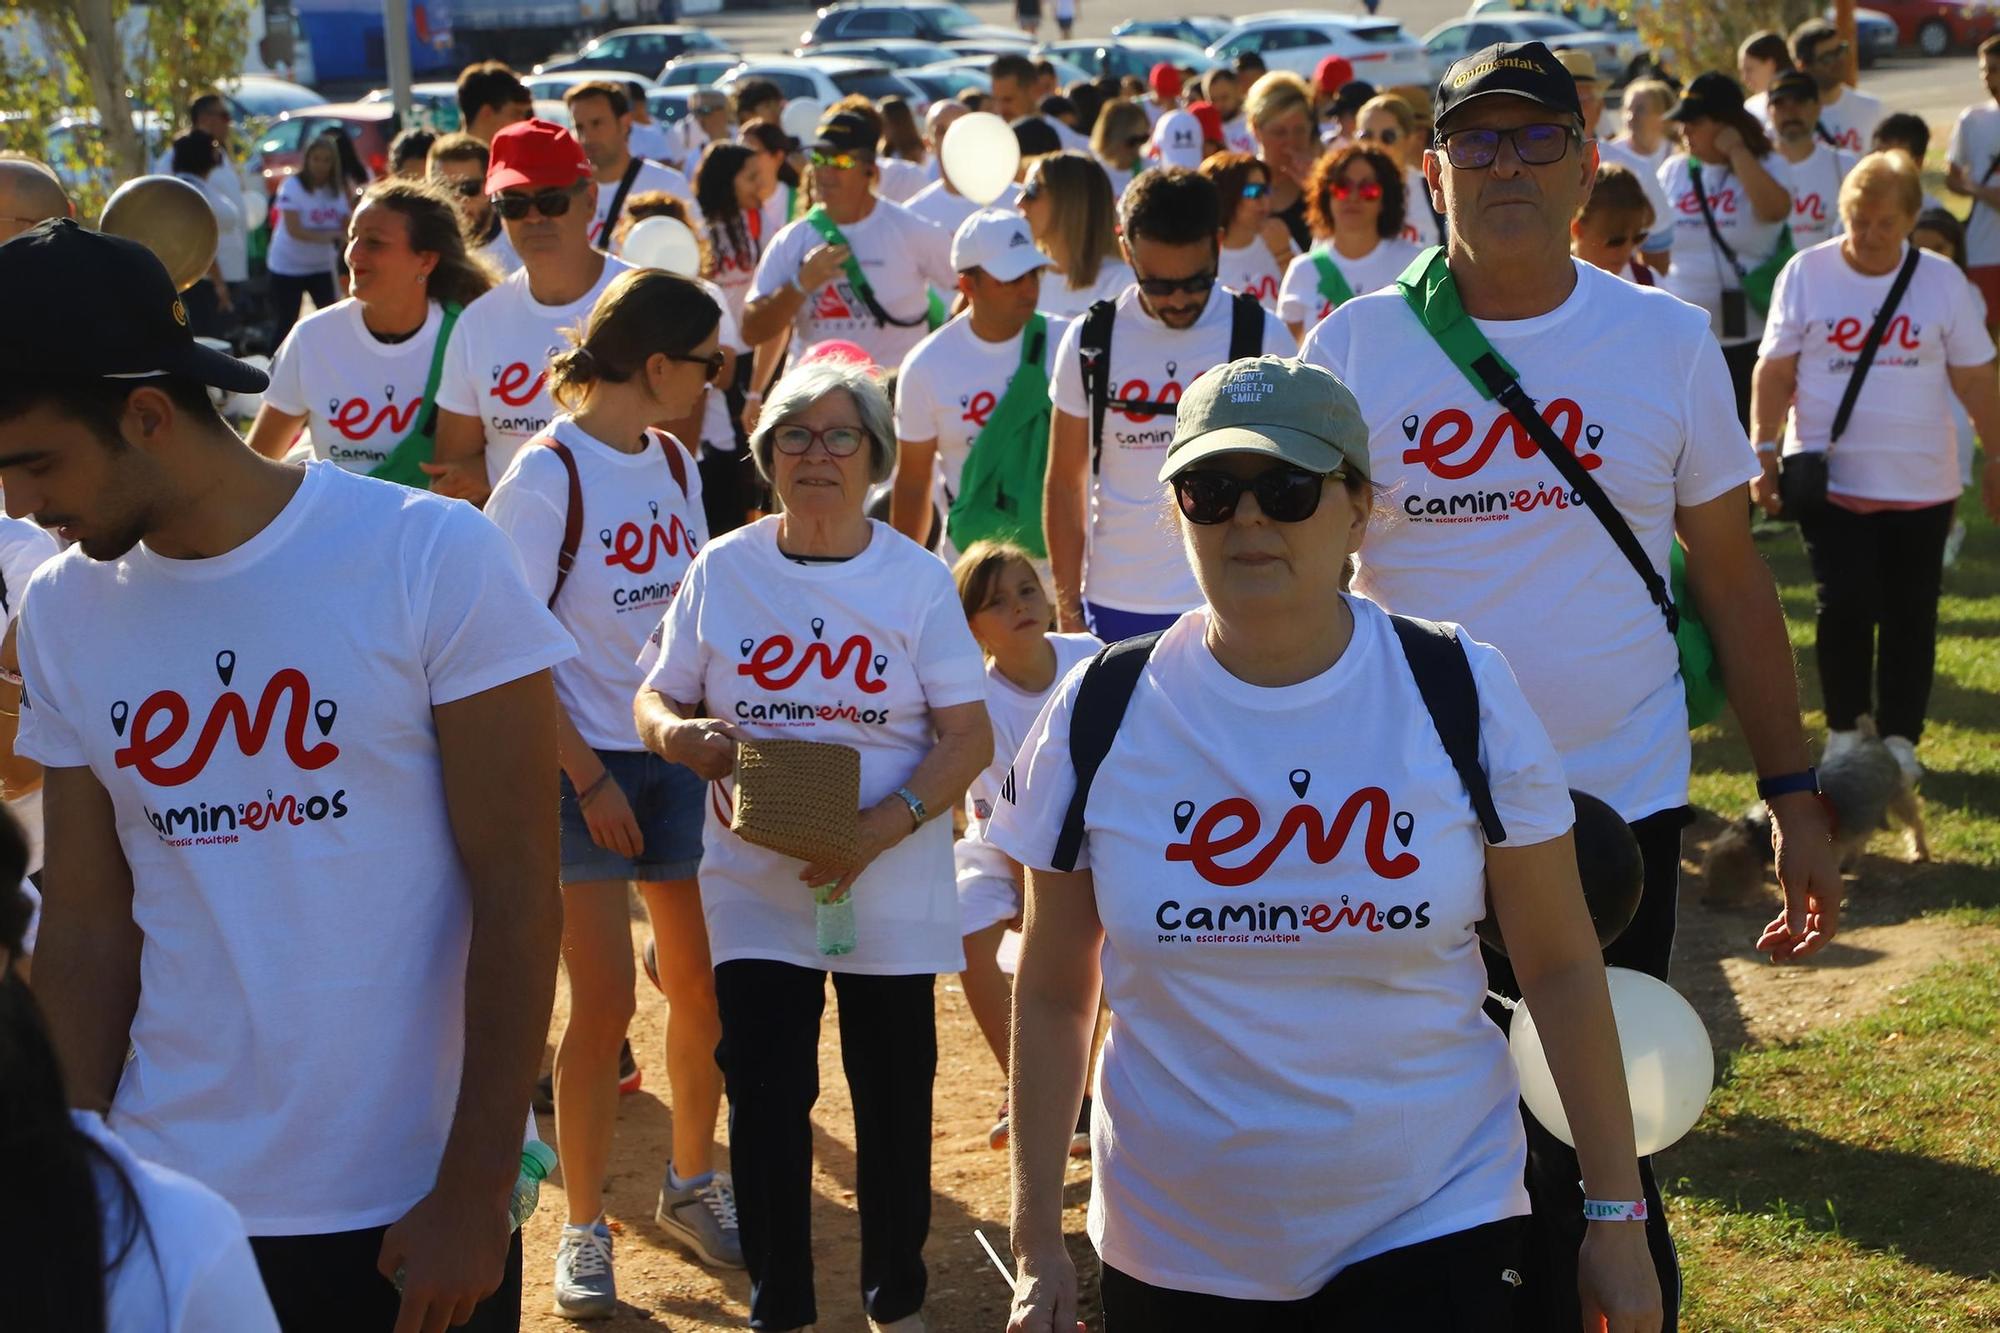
[
  {"x": 494, "y": 395},
  {"x": 1847, "y": 115},
  {"x": 1118, "y": 376},
  {"x": 857, "y": 267},
  {"x": 1493, "y": 537},
  {"x": 458, "y": 164}
]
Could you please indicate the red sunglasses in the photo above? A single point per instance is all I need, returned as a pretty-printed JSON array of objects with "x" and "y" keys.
[{"x": 1367, "y": 190}]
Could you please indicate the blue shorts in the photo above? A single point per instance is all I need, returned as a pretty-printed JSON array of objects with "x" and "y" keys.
[
  {"x": 1110, "y": 624},
  {"x": 665, "y": 798}
]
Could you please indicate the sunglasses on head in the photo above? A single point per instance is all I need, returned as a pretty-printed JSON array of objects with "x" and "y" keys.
[
  {"x": 839, "y": 441},
  {"x": 1828, "y": 54},
  {"x": 1537, "y": 145},
  {"x": 833, "y": 161},
  {"x": 1368, "y": 190},
  {"x": 549, "y": 203},
  {"x": 1285, "y": 493},
  {"x": 1256, "y": 190},
  {"x": 1200, "y": 282},
  {"x": 714, "y": 361}
]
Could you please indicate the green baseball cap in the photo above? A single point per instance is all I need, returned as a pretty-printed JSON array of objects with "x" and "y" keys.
[{"x": 1271, "y": 405}]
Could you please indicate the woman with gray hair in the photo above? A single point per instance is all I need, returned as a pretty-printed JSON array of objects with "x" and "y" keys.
[{"x": 819, "y": 623}]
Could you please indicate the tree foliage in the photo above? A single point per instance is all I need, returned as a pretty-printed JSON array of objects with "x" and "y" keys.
[{"x": 1697, "y": 35}]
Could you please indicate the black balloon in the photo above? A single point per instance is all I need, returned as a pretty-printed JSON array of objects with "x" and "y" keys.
[{"x": 1608, "y": 863}]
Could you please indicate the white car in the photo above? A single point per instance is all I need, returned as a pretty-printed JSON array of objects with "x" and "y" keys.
[
  {"x": 1380, "y": 50},
  {"x": 826, "y": 79},
  {"x": 1616, "y": 51},
  {"x": 552, "y": 86}
]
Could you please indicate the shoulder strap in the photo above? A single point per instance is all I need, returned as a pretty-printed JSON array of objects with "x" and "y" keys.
[
  {"x": 676, "y": 459},
  {"x": 1867, "y": 357},
  {"x": 830, "y": 232},
  {"x": 436, "y": 375},
  {"x": 1246, "y": 327},
  {"x": 1334, "y": 288},
  {"x": 1444, "y": 679},
  {"x": 1094, "y": 352},
  {"x": 632, "y": 170},
  {"x": 1101, "y": 700},
  {"x": 572, "y": 516},
  {"x": 1708, "y": 216}
]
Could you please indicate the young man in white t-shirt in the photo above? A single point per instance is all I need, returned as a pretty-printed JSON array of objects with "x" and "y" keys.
[
  {"x": 954, "y": 379},
  {"x": 1814, "y": 169},
  {"x": 1493, "y": 537},
  {"x": 302, "y": 847},
  {"x": 1118, "y": 569},
  {"x": 1974, "y": 170},
  {"x": 1847, "y": 115},
  {"x": 494, "y": 395},
  {"x": 602, "y": 113},
  {"x": 805, "y": 281}
]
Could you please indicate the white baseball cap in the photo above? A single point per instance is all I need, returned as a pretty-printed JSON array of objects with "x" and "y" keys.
[
  {"x": 998, "y": 241},
  {"x": 1177, "y": 139}
]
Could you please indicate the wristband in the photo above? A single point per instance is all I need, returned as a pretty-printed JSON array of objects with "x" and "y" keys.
[
  {"x": 1598, "y": 1210},
  {"x": 1766, "y": 447},
  {"x": 583, "y": 797},
  {"x": 1786, "y": 784}
]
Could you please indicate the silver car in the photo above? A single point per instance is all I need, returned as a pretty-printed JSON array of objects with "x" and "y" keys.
[{"x": 1616, "y": 52}]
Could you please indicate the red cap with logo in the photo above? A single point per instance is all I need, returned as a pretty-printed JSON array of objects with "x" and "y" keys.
[
  {"x": 534, "y": 155},
  {"x": 1164, "y": 80},
  {"x": 1211, "y": 121},
  {"x": 1332, "y": 74}
]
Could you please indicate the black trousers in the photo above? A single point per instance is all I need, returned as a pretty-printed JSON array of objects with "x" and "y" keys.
[
  {"x": 1876, "y": 579},
  {"x": 770, "y": 1067},
  {"x": 287, "y": 291},
  {"x": 1467, "y": 1282},
  {"x": 1550, "y": 1300},
  {"x": 329, "y": 1284},
  {"x": 1741, "y": 358}
]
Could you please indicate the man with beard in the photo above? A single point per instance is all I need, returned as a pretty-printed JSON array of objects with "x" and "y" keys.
[
  {"x": 458, "y": 163},
  {"x": 1814, "y": 168},
  {"x": 1847, "y": 115},
  {"x": 602, "y": 114}
]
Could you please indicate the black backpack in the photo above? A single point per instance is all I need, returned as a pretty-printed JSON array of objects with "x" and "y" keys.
[
  {"x": 1246, "y": 338},
  {"x": 1436, "y": 658}
]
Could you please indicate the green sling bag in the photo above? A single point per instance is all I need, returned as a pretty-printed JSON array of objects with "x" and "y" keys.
[
  {"x": 1333, "y": 288},
  {"x": 1000, "y": 489},
  {"x": 830, "y": 232},
  {"x": 401, "y": 466}
]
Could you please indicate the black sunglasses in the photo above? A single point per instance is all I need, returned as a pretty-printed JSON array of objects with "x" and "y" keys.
[
  {"x": 1285, "y": 493},
  {"x": 549, "y": 203},
  {"x": 1537, "y": 145},
  {"x": 714, "y": 361},
  {"x": 468, "y": 188},
  {"x": 1200, "y": 282}
]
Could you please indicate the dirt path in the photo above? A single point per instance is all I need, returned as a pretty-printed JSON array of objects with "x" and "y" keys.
[{"x": 1743, "y": 1000}]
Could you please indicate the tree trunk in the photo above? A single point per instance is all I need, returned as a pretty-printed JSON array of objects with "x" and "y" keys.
[{"x": 87, "y": 31}]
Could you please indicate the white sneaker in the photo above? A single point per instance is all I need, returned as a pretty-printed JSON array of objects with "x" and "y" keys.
[
  {"x": 1839, "y": 743},
  {"x": 1905, "y": 751},
  {"x": 584, "y": 1286}
]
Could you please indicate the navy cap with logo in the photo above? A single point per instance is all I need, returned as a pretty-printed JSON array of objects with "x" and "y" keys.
[
  {"x": 1794, "y": 85},
  {"x": 844, "y": 132},
  {"x": 103, "y": 306},
  {"x": 1710, "y": 96},
  {"x": 1528, "y": 70}
]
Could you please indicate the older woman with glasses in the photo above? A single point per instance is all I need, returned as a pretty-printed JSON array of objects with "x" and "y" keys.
[
  {"x": 820, "y": 624},
  {"x": 1303, "y": 1121}
]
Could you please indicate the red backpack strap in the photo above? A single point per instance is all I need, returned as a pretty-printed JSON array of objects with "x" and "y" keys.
[
  {"x": 676, "y": 459},
  {"x": 572, "y": 515}
]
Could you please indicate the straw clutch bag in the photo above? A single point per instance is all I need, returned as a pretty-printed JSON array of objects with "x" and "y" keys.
[{"x": 799, "y": 798}]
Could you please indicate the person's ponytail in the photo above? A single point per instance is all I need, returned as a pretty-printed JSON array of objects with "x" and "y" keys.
[{"x": 643, "y": 313}]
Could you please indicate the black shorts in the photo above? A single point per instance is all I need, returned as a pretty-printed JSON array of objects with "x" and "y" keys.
[{"x": 328, "y": 1284}]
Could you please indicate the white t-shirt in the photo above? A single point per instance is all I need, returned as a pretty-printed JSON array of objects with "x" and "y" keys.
[
  {"x": 901, "y": 179},
  {"x": 189, "y": 1268},
  {"x": 717, "y": 432},
  {"x": 1120, "y": 177},
  {"x": 652, "y": 176},
  {"x": 1253, "y": 269},
  {"x": 1304, "y": 1008},
  {"x": 1236, "y": 134},
  {"x": 1420, "y": 225},
  {"x": 321, "y": 210},
  {"x": 360, "y": 396},
  {"x": 1851, "y": 120},
  {"x": 1975, "y": 147},
  {"x": 1299, "y": 298},
  {"x": 1700, "y": 274},
  {"x": 1488, "y": 536},
  {"x": 1815, "y": 185},
  {"x": 1759, "y": 105},
  {"x": 651, "y": 141},
  {"x": 1013, "y": 711},
  {"x": 273, "y": 767},
  {"x": 853, "y": 653},
  {"x": 501, "y": 253},
  {"x": 900, "y": 254},
  {"x": 1059, "y": 298},
  {"x": 1647, "y": 169},
  {"x": 497, "y": 366},
  {"x": 224, "y": 191},
  {"x": 734, "y": 264},
  {"x": 949, "y": 385},
  {"x": 641, "y": 530},
  {"x": 1900, "y": 443},
  {"x": 1133, "y": 559},
  {"x": 949, "y": 210}
]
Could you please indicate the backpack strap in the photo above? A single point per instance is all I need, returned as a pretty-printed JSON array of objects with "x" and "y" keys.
[
  {"x": 1101, "y": 699},
  {"x": 1246, "y": 327},
  {"x": 632, "y": 170},
  {"x": 1094, "y": 352},
  {"x": 1444, "y": 679},
  {"x": 676, "y": 462},
  {"x": 572, "y": 516}
]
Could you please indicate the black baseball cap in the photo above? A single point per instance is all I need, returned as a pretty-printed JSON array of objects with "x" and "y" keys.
[
  {"x": 1713, "y": 95},
  {"x": 103, "y": 305},
  {"x": 1513, "y": 69},
  {"x": 844, "y": 132},
  {"x": 1352, "y": 96},
  {"x": 1795, "y": 84}
]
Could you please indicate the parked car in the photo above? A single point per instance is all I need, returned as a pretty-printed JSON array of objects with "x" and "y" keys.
[
  {"x": 943, "y": 82},
  {"x": 862, "y": 20},
  {"x": 73, "y": 140},
  {"x": 1133, "y": 56},
  {"x": 647, "y": 47},
  {"x": 826, "y": 79},
  {"x": 1196, "y": 30},
  {"x": 434, "y": 106},
  {"x": 668, "y": 105},
  {"x": 1617, "y": 53},
  {"x": 1066, "y": 72},
  {"x": 699, "y": 71},
  {"x": 1875, "y": 35},
  {"x": 1938, "y": 27},
  {"x": 265, "y": 96},
  {"x": 1379, "y": 49},
  {"x": 895, "y": 52},
  {"x": 552, "y": 86},
  {"x": 371, "y": 125}
]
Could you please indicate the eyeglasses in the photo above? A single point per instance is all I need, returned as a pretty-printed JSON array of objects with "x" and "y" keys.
[
  {"x": 1388, "y": 134},
  {"x": 1536, "y": 145},
  {"x": 1031, "y": 191},
  {"x": 838, "y": 441},
  {"x": 834, "y": 161},
  {"x": 549, "y": 203},
  {"x": 1285, "y": 494},
  {"x": 1826, "y": 55},
  {"x": 1200, "y": 282},
  {"x": 714, "y": 361},
  {"x": 468, "y": 188},
  {"x": 1137, "y": 140},
  {"x": 1256, "y": 190},
  {"x": 1368, "y": 191}
]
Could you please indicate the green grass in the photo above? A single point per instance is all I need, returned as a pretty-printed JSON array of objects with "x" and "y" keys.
[{"x": 1850, "y": 1183}]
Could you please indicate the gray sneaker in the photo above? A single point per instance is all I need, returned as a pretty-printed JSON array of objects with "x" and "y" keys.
[
  {"x": 703, "y": 1218},
  {"x": 585, "y": 1288}
]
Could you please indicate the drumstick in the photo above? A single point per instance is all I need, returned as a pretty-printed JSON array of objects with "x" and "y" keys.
[{"x": 1006, "y": 1276}]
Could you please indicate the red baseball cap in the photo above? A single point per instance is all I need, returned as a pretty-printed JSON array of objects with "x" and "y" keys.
[
  {"x": 1165, "y": 80},
  {"x": 1211, "y": 121},
  {"x": 534, "y": 155},
  {"x": 1331, "y": 74}
]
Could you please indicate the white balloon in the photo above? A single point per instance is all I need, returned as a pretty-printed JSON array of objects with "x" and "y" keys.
[
  {"x": 800, "y": 118},
  {"x": 663, "y": 243},
  {"x": 981, "y": 156},
  {"x": 1669, "y": 1061}
]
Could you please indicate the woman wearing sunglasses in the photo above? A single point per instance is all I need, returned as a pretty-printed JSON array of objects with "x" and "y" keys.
[
  {"x": 1279, "y": 108},
  {"x": 1073, "y": 215},
  {"x": 1120, "y": 135},
  {"x": 1303, "y": 1121},
  {"x": 1255, "y": 246},
  {"x": 605, "y": 514},
  {"x": 1355, "y": 203},
  {"x": 820, "y": 624},
  {"x": 1387, "y": 124}
]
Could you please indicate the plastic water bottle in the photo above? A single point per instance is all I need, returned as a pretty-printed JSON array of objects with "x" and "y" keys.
[
  {"x": 537, "y": 1160},
  {"x": 833, "y": 922}
]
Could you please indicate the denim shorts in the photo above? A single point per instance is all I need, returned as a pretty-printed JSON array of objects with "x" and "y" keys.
[{"x": 665, "y": 798}]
